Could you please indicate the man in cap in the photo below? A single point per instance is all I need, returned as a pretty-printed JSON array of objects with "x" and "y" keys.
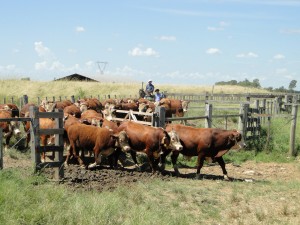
[
  {"x": 149, "y": 88},
  {"x": 158, "y": 95}
]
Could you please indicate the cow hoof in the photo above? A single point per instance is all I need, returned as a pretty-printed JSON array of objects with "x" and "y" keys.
[
  {"x": 161, "y": 166},
  {"x": 226, "y": 178},
  {"x": 82, "y": 166},
  {"x": 92, "y": 166},
  {"x": 138, "y": 168},
  {"x": 198, "y": 177}
]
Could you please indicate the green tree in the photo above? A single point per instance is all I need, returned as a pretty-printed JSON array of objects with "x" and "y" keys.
[
  {"x": 292, "y": 85},
  {"x": 256, "y": 83}
]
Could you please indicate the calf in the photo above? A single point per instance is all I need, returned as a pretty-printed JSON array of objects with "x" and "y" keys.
[
  {"x": 204, "y": 142},
  {"x": 150, "y": 140}
]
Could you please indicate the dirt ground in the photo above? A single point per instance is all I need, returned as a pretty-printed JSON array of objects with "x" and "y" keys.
[{"x": 104, "y": 178}]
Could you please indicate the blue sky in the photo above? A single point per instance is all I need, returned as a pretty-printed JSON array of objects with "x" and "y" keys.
[{"x": 197, "y": 42}]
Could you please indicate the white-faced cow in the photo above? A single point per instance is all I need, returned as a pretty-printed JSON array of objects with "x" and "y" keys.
[
  {"x": 150, "y": 140},
  {"x": 204, "y": 142}
]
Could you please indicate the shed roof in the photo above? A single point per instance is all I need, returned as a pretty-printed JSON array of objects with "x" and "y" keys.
[{"x": 76, "y": 77}]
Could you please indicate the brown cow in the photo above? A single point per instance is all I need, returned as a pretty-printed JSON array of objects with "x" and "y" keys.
[
  {"x": 92, "y": 117},
  {"x": 50, "y": 106},
  {"x": 174, "y": 107},
  {"x": 90, "y": 103},
  {"x": 72, "y": 110},
  {"x": 11, "y": 107},
  {"x": 204, "y": 142},
  {"x": 101, "y": 140},
  {"x": 150, "y": 140},
  {"x": 9, "y": 128},
  {"x": 46, "y": 123},
  {"x": 25, "y": 113}
]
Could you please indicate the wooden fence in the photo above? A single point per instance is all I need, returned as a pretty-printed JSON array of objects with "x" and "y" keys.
[
  {"x": 36, "y": 148},
  {"x": 249, "y": 122}
]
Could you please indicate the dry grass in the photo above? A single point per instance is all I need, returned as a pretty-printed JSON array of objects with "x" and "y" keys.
[{"x": 34, "y": 89}]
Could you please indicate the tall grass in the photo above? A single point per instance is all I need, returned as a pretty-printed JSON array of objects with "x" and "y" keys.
[{"x": 35, "y": 89}]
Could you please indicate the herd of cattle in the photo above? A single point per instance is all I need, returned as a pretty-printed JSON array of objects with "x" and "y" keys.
[{"x": 90, "y": 126}]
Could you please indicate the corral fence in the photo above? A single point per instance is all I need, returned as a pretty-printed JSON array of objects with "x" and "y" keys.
[
  {"x": 249, "y": 123},
  {"x": 36, "y": 148}
]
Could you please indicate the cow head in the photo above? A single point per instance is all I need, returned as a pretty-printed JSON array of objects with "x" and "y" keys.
[
  {"x": 83, "y": 107},
  {"x": 235, "y": 139},
  {"x": 185, "y": 105},
  {"x": 15, "y": 127},
  {"x": 122, "y": 141},
  {"x": 175, "y": 144},
  {"x": 143, "y": 107},
  {"x": 171, "y": 140}
]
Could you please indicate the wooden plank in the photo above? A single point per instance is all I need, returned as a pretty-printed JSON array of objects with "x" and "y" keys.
[
  {"x": 50, "y": 131},
  {"x": 15, "y": 119},
  {"x": 50, "y": 115},
  {"x": 50, "y": 148}
]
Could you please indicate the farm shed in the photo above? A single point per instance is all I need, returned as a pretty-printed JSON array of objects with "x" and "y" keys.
[{"x": 76, "y": 77}]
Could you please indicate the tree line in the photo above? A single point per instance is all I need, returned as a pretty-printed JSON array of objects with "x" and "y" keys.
[{"x": 256, "y": 84}]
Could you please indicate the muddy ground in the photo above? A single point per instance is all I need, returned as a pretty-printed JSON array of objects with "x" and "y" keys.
[{"x": 103, "y": 178}]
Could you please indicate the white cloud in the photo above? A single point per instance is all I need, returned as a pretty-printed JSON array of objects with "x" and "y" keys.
[
  {"x": 79, "y": 29},
  {"x": 40, "y": 65},
  {"x": 15, "y": 51},
  {"x": 137, "y": 51},
  {"x": 290, "y": 31},
  {"x": 56, "y": 65},
  {"x": 278, "y": 56},
  {"x": 72, "y": 50},
  {"x": 213, "y": 51},
  {"x": 220, "y": 27},
  {"x": 247, "y": 55},
  {"x": 9, "y": 67},
  {"x": 41, "y": 50},
  {"x": 90, "y": 64},
  {"x": 167, "y": 38}
]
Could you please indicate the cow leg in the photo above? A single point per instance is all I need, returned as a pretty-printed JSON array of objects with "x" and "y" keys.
[
  {"x": 133, "y": 156},
  {"x": 97, "y": 158},
  {"x": 113, "y": 158},
  {"x": 162, "y": 163},
  {"x": 76, "y": 155},
  {"x": 221, "y": 162},
  {"x": 200, "y": 162},
  {"x": 69, "y": 153},
  {"x": 151, "y": 161},
  {"x": 174, "y": 157}
]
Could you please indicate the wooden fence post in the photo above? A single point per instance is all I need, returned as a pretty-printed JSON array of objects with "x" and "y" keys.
[
  {"x": 73, "y": 99},
  {"x": 25, "y": 99},
  {"x": 59, "y": 173},
  {"x": 34, "y": 136},
  {"x": 257, "y": 105},
  {"x": 293, "y": 130},
  {"x": 1, "y": 149},
  {"x": 159, "y": 120},
  {"x": 243, "y": 119},
  {"x": 208, "y": 114}
]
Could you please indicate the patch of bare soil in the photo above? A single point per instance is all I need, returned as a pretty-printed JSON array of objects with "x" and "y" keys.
[{"x": 104, "y": 178}]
